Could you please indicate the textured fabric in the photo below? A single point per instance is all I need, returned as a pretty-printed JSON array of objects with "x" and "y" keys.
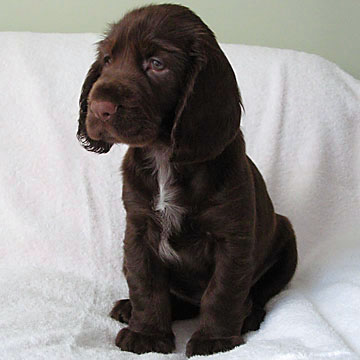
[{"x": 62, "y": 220}]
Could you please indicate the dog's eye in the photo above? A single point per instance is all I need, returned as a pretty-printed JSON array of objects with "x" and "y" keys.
[
  {"x": 156, "y": 64},
  {"x": 107, "y": 59}
]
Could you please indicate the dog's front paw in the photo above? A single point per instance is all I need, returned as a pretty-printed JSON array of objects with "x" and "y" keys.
[
  {"x": 202, "y": 345},
  {"x": 122, "y": 311},
  {"x": 139, "y": 343}
]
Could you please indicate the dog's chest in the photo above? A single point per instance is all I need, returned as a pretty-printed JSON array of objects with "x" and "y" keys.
[{"x": 167, "y": 205}]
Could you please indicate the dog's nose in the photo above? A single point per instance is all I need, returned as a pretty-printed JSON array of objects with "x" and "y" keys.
[{"x": 103, "y": 109}]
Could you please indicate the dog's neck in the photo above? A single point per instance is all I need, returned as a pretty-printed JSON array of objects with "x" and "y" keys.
[{"x": 166, "y": 200}]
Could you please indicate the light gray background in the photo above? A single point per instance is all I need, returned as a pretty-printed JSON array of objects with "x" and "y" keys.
[{"x": 330, "y": 28}]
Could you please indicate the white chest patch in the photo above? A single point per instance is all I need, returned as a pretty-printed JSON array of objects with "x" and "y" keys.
[{"x": 166, "y": 204}]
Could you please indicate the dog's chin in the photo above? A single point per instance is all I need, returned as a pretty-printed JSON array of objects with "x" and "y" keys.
[
  {"x": 110, "y": 133},
  {"x": 133, "y": 140},
  {"x": 137, "y": 136},
  {"x": 136, "y": 141}
]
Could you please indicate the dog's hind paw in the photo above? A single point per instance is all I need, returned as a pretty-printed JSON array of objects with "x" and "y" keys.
[{"x": 122, "y": 311}]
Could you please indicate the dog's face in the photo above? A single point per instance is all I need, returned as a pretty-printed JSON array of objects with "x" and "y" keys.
[
  {"x": 137, "y": 91},
  {"x": 158, "y": 77}
]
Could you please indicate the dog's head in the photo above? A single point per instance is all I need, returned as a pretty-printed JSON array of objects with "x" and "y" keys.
[{"x": 160, "y": 77}]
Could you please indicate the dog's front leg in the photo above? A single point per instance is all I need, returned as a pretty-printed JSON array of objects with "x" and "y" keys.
[
  {"x": 225, "y": 303},
  {"x": 149, "y": 327}
]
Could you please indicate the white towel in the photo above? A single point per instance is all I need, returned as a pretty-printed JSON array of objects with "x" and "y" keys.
[{"x": 62, "y": 220}]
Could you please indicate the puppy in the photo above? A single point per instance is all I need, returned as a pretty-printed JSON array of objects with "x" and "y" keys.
[{"x": 202, "y": 237}]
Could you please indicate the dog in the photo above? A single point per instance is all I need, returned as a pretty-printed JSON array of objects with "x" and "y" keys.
[{"x": 202, "y": 238}]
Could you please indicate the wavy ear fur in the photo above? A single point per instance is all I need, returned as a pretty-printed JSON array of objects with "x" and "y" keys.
[
  {"x": 89, "y": 144},
  {"x": 208, "y": 116}
]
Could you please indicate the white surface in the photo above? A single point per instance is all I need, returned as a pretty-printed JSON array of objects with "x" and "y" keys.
[{"x": 62, "y": 221}]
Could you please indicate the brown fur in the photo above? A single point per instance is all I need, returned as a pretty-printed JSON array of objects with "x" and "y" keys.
[{"x": 234, "y": 253}]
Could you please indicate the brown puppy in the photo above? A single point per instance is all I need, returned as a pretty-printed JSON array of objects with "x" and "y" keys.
[{"x": 201, "y": 236}]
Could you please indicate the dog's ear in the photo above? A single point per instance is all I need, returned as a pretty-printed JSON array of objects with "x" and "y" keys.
[
  {"x": 208, "y": 116},
  {"x": 89, "y": 144}
]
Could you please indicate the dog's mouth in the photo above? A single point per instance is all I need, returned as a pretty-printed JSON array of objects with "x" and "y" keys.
[{"x": 133, "y": 128}]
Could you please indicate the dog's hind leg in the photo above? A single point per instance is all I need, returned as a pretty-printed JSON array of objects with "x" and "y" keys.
[{"x": 275, "y": 278}]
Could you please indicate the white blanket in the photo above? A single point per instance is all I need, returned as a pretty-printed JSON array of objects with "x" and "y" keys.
[{"x": 62, "y": 221}]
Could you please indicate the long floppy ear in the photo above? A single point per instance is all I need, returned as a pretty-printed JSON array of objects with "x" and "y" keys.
[
  {"x": 89, "y": 144},
  {"x": 208, "y": 116}
]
